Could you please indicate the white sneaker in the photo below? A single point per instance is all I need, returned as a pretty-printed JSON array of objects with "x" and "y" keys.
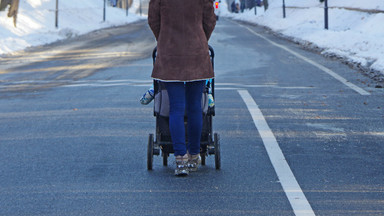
[
  {"x": 181, "y": 166},
  {"x": 194, "y": 162}
]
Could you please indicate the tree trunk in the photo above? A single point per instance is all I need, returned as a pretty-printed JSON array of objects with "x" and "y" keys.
[
  {"x": 4, "y": 4},
  {"x": 13, "y": 10}
]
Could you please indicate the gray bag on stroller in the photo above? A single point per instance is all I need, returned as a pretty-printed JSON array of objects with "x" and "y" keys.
[{"x": 162, "y": 101}]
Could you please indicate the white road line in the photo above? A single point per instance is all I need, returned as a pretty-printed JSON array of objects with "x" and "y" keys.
[
  {"x": 321, "y": 67},
  {"x": 292, "y": 189},
  {"x": 262, "y": 86},
  {"x": 136, "y": 82}
]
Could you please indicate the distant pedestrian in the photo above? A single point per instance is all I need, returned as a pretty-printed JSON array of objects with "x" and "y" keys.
[
  {"x": 113, "y": 3},
  {"x": 233, "y": 7},
  {"x": 182, "y": 30},
  {"x": 242, "y": 5},
  {"x": 266, "y": 5}
]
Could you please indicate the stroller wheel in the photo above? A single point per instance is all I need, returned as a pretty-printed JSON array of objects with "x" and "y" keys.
[
  {"x": 203, "y": 157},
  {"x": 165, "y": 159},
  {"x": 150, "y": 152},
  {"x": 217, "y": 151}
]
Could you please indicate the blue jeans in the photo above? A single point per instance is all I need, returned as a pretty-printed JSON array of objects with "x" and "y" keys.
[{"x": 185, "y": 97}]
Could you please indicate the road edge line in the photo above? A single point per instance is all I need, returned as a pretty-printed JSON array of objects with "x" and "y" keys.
[
  {"x": 291, "y": 187},
  {"x": 319, "y": 66}
]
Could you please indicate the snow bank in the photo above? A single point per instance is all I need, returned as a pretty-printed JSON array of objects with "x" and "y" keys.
[
  {"x": 353, "y": 35},
  {"x": 36, "y": 21},
  {"x": 357, "y": 36}
]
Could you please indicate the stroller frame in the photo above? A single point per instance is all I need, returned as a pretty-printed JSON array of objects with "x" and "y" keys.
[{"x": 161, "y": 142}]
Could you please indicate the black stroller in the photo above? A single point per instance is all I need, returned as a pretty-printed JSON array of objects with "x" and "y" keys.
[{"x": 210, "y": 142}]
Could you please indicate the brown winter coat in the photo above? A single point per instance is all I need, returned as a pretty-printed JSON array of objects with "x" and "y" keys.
[{"x": 182, "y": 29}]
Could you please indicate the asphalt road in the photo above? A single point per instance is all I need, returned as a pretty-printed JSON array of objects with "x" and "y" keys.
[{"x": 300, "y": 134}]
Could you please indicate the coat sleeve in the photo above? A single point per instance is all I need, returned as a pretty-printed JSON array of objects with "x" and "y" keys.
[
  {"x": 209, "y": 18},
  {"x": 154, "y": 18}
]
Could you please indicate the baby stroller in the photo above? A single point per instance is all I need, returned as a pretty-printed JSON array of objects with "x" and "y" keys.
[{"x": 161, "y": 141}]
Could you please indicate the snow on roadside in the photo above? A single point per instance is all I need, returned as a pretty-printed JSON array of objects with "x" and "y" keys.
[
  {"x": 352, "y": 35},
  {"x": 36, "y": 22}
]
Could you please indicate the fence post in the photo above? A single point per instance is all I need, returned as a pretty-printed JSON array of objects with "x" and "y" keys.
[
  {"x": 283, "y": 8},
  {"x": 105, "y": 4},
  {"x": 57, "y": 14},
  {"x": 326, "y": 14},
  {"x": 127, "y": 6}
]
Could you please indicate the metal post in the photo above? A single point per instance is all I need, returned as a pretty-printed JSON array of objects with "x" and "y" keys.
[
  {"x": 105, "y": 5},
  {"x": 283, "y": 8},
  {"x": 255, "y": 7},
  {"x": 57, "y": 14},
  {"x": 326, "y": 14},
  {"x": 140, "y": 8},
  {"x": 127, "y": 6}
]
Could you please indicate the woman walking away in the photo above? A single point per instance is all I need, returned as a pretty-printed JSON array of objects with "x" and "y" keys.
[{"x": 182, "y": 29}]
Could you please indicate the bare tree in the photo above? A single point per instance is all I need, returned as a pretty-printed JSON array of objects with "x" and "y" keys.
[
  {"x": 123, "y": 3},
  {"x": 4, "y": 4},
  {"x": 13, "y": 9}
]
